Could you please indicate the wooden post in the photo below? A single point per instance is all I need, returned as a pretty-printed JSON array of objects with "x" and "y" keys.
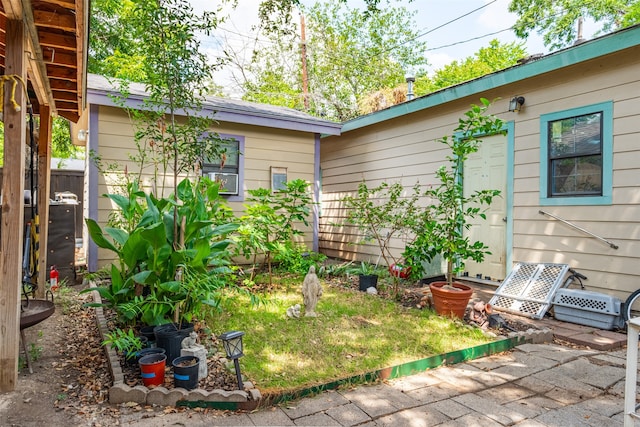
[
  {"x": 12, "y": 207},
  {"x": 44, "y": 188}
]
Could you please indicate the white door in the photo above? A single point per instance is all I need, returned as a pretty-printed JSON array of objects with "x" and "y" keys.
[{"x": 487, "y": 170}]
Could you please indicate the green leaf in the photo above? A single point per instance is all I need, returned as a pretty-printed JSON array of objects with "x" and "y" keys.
[{"x": 96, "y": 235}]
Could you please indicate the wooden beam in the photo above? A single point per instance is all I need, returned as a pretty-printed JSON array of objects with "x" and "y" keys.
[
  {"x": 57, "y": 41},
  {"x": 39, "y": 72},
  {"x": 67, "y": 4},
  {"x": 61, "y": 20},
  {"x": 12, "y": 9},
  {"x": 11, "y": 238},
  {"x": 44, "y": 188}
]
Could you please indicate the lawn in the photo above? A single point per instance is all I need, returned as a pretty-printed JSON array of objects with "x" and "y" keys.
[{"x": 354, "y": 333}]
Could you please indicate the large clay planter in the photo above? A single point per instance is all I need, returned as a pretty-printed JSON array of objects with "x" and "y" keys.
[{"x": 448, "y": 302}]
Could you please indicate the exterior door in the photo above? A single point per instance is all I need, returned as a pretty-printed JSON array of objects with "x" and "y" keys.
[{"x": 484, "y": 170}]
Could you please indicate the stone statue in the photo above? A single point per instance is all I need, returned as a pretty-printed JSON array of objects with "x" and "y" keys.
[
  {"x": 294, "y": 311},
  {"x": 190, "y": 341},
  {"x": 311, "y": 292}
]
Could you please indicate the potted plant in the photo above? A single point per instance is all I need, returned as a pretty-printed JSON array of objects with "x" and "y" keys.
[
  {"x": 442, "y": 231},
  {"x": 367, "y": 275}
]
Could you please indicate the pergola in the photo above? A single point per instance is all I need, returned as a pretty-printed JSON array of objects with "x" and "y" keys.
[{"x": 43, "y": 43}]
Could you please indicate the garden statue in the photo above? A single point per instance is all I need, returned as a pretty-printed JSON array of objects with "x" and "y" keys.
[
  {"x": 190, "y": 341},
  {"x": 293, "y": 311},
  {"x": 190, "y": 347},
  {"x": 311, "y": 292}
]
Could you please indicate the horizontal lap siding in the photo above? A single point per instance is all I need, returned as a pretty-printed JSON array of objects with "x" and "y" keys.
[
  {"x": 264, "y": 148},
  {"x": 539, "y": 238},
  {"x": 405, "y": 149}
]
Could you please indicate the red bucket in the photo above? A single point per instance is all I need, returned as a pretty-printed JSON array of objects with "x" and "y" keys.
[{"x": 152, "y": 369}]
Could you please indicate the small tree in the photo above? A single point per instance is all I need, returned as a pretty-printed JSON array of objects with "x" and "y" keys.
[
  {"x": 383, "y": 214},
  {"x": 269, "y": 225},
  {"x": 443, "y": 233}
]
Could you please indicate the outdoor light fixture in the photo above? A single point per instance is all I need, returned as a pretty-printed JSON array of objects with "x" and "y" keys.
[
  {"x": 516, "y": 103},
  {"x": 232, "y": 342}
]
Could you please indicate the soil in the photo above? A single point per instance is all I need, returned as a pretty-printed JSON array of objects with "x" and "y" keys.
[{"x": 70, "y": 380}]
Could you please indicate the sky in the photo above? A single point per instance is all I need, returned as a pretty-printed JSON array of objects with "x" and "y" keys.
[{"x": 446, "y": 41}]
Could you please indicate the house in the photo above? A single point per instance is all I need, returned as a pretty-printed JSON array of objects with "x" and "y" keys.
[
  {"x": 567, "y": 166},
  {"x": 274, "y": 144}
]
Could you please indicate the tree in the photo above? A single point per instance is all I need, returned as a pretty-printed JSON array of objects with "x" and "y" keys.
[
  {"x": 350, "y": 54},
  {"x": 61, "y": 145},
  {"x": 496, "y": 56},
  {"x": 557, "y": 20}
]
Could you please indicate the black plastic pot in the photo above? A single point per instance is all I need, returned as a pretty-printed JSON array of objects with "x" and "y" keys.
[
  {"x": 170, "y": 335},
  {"x": 133, "y": 360},
  {"x": 147, "y": 331},
  {"x": 367, "y": 281},
  {"x": 185, "y": 372}
]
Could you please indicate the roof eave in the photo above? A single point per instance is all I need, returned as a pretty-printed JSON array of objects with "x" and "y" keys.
[{"x": 605, "y": 45}]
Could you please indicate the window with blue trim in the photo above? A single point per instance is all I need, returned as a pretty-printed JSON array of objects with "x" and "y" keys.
[{"x": 576, "y": 147}]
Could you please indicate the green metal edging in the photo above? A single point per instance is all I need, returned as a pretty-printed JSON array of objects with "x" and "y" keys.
[{"x": 398, "y": 371}]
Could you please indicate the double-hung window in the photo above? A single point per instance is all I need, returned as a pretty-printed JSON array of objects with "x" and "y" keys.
[
  {"x": 576, "y": 161},
  {"x": 227, "y": 169}
]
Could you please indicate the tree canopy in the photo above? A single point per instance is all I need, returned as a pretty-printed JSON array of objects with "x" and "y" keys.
[
  {"x": 349, "y": 55},
  {"x": 556, "y": 20}
]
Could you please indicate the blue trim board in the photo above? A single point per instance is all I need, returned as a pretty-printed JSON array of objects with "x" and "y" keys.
[
  {"x": 511, "y": 137},
  {"x": 607, "y": 156},
  {"x": 608, "y": 44},
  {"x": 316, "y": 193}
]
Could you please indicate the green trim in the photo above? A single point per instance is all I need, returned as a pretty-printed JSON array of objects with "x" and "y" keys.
[
  {"x": 607, "y": 156},
  {"x": 511, "y": 138},
  {"x": 605, "y": 45},
  {"x": 398, "y": 371}
]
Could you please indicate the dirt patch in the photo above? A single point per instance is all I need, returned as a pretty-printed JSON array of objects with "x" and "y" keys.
[{"x": 70, "y": 380}]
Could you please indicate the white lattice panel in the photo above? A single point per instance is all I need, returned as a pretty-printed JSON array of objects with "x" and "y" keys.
[{"x": 529, "y": 288}]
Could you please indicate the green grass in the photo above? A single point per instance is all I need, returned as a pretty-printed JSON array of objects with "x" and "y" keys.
[{"x": 354, "y": 333}]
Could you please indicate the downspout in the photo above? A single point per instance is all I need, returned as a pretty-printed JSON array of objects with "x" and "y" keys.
[
  {"x": 316, "y": 193},
  {"x": 91, "y": 198}
]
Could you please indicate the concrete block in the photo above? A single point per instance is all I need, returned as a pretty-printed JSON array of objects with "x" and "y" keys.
[
  {"x": 595, "y": 341},
  {"x": 201, "y": 353},
  {"x": 161, "y": 396},
  {"x": 122, "y": 393}
]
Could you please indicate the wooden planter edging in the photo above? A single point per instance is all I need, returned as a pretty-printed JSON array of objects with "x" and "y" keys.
[{"x": 250, "y": 398}]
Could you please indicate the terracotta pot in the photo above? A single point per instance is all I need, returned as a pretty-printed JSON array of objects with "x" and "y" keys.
[{"x": 448, "y": 302}]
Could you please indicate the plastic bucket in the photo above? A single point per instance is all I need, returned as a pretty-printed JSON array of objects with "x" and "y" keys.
[
  {"x": 185, "y": 372},
  {"x": 152, "y": 369},
  {"x": 367, "y": 281},
  {"x": 147, "y": 331},
  {"x": 169, "y": 336},
  {"x": 148, "y": 351}
]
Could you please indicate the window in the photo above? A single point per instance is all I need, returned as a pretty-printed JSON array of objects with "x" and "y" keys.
[
  {"x": 278, "y": 178},
  {"x": 576, "y": 156},
  {"x": 228, "y": 169}
]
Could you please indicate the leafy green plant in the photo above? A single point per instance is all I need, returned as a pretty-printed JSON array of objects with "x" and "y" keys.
[
  {"x": 443, "y": 230},
  {"x": 158, "y": 269},
  {"x": 363, "y": 269},
  {"x": 125, "y": 342},
  {"x": 269, "y": 226},
  {"x": 298, "y": 259}
]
